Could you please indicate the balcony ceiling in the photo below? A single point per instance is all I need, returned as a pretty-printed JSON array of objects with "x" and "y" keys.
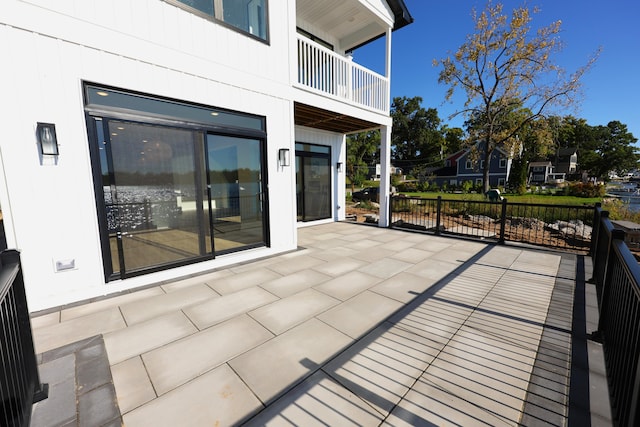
[
  {"x": 348, "y": 20},
  {"x": 314, "y": 117}
]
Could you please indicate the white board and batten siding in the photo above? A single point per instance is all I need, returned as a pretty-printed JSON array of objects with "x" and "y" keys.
[{"x": 49, "y": 210}]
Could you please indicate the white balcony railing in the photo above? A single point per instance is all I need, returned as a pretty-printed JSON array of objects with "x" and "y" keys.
[{"x": 325, "y": 71}]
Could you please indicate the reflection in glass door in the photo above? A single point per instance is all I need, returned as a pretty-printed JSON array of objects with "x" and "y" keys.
[
  {"x": 313, "y": 182},
  {"x": 154, "y": 199},
  {"x": 235, "y": 183}
]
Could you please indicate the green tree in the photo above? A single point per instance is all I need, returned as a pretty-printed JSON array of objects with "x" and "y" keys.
[
  {"x": 503, "y": 66},
  {"x": 536, "y": 142},
  {"x": 454, "y": 139},
  {"x": 610, "y": 150},
  {"x": 360, "y": 146},
  {"x": 416, "y": 136},
  {"x": 601, "y": 149}
]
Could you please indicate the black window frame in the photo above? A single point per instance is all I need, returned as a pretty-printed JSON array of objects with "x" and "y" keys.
[
  {"x": 93, "y": 111},
  {"x": 302, "y": 152},
  {"x": 197, "y": 12}
]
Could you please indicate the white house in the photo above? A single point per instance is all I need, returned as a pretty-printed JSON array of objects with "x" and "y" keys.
[{"x": 148, "y": 140}]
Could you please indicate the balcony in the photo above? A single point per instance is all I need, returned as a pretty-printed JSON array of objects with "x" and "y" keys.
[
  {"x": 327, "y": 73},
  {"x": 365, "y": 326}
]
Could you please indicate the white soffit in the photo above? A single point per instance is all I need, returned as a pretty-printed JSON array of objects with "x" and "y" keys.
[{"x": 351, "y": 21}]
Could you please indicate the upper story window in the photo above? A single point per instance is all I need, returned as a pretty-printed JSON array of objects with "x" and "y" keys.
[{"x": 249, "y": 16}]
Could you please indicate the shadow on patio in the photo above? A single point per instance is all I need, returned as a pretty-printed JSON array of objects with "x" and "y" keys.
[{"x": 362, "y": 326}]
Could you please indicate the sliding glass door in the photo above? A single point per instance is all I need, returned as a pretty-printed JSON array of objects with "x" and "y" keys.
[
  {"x": 313, "y": 182},
  {"x": 171, "y": 194}
]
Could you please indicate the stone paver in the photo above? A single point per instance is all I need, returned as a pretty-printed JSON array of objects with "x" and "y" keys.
[
  {"x": 132, "y": 383},
  {"x": 202, "y": 352},
  {"x": 358, "y": 315},
  {"x": 81, "y": 391},
  {"x": 217, "y": 398},
  {"x": 348, "y": 285},
  {"x": 143, "y": 337},
  {"x": 291, "y": 311},
  {"x": 217, "y": 310},
  {"x": 362, "y": 326},
  {"x": 57, "y": 335},
  {"x": 294, "y": 283},
  {"x": 277, "y": 365},
  {"x": 149, "y": 308}
]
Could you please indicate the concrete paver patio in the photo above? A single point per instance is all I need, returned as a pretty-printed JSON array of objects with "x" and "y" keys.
[{"x": 361, "y": 326}]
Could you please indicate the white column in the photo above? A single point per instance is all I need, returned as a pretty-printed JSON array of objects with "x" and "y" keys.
[
  {"x": 339, "y": 179},
  {"x": 385, "y": 146},
  {"x": 385, "y": 176},
  {"x": 388, "y": 68}
]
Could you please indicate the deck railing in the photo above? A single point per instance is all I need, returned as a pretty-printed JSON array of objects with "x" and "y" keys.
[
  {"x": 616, "y": 274},
  {"x": 20, "y": 383},
  {"x": 323, "y": 70},
  {"x": 556, "y": 226}
]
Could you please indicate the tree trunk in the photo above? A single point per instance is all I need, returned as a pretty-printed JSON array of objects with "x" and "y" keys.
[{"x": 485, "y": 170}]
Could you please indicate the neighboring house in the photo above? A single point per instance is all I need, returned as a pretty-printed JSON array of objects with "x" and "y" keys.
[
  {"x": 465, "y": 165},
  {"x": 566, "y": 161},
  {"x": 376, "y": 171},
  {"x": 146, "y": 141},
  {"x": 540, "y": 173}
]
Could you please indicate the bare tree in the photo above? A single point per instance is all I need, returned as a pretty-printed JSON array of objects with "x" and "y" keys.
[{"x": 504, "y": 66}]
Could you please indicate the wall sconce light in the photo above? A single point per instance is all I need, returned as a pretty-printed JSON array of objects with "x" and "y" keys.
[
  {"x": 47, "y": 139},
  {"x": 339, "y": 166},
  {"x": 283, "y": 157}
]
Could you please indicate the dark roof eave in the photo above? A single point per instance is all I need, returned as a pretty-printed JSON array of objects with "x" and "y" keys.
[
  {"x": 401, "y": 14},
  {"x": 402, "y": 18}
]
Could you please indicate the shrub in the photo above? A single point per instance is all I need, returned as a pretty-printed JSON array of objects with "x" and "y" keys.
[
  {"x": 581, "y": 189},
  {"x": 407, "y": 187}
]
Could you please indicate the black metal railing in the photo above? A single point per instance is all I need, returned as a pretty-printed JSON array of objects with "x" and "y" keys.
[
  {"x": 556, "y": 226},
  {"x": 20, "y": 385},
  {"x": 616, "y": 274}
]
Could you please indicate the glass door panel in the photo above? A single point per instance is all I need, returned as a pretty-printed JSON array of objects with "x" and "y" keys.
[
  {"x": 155, "y": 200},
  {"x": 299, "y": 189},
  {"x": 313, "y": 182},
  {"x": 235, "y": 191},
  {"x": 317, "y": 188}
]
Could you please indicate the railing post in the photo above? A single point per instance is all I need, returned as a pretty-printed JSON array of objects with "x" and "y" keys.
[
  {"x": 390, "y": 211},
  {"x": 595, "y": 229},
  {"x": 601, "y": 255},
  {"x": 438, "y": 210},
  {"x": 635, "y": 396},
  {"x": 503, "y": 222},
  {"x": 616, "y": 234}
]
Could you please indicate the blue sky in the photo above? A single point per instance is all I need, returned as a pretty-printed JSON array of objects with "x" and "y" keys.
[{"x": 611, "y": 89}]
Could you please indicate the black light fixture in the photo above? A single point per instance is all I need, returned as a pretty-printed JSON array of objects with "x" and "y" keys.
[
  {"x": 339, "y": 166},
  {"x": 283, "y": 157},
  {"x": 47, "y": 139}
]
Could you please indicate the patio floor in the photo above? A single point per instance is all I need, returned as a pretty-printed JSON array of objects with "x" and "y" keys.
[{"x": 361, "y": 326}]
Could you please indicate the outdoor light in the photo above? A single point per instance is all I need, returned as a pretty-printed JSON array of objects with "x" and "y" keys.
[
  {"x": 339, "y": 166},
  {"x": 47, "y": 140},
  {"x": 283, "y": 157}
]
